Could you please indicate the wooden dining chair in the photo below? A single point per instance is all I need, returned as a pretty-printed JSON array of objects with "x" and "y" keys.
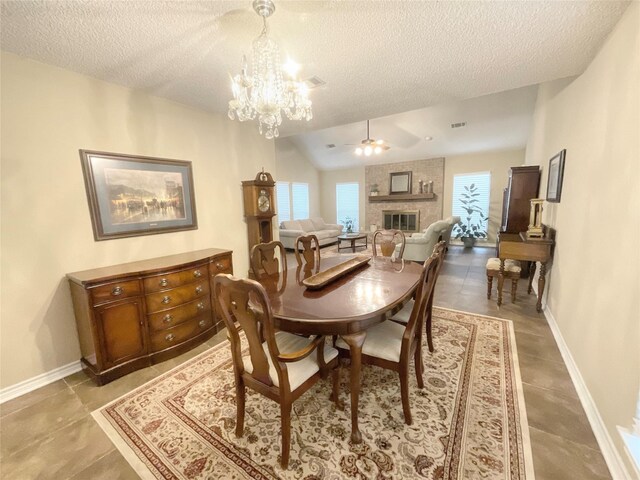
[
  {"x": 388, "y": 241},
  {"x": 278, "y": 365},
  {"x": 391, "y": 345},
  {"x": 264, "y": 260},
  {"x": 404, "y": 314},
  {"x": 310, "y": 250}
]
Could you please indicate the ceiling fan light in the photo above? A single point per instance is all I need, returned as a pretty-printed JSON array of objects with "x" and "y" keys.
[
  {"x": 368, "y": 150},
  {"x": 377, "y": 150},
  {"x": 380, "y": 142},
  {"x": 358, "y": 151}
]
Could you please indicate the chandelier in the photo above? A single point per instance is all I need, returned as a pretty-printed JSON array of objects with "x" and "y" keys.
[{"x": 264, "y": 93}]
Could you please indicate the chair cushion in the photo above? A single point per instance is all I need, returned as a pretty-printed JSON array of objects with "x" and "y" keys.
[
  {"x": 404, "y": 314},
  {"x": 318, "y": 223},
  {"x": 383, "y": 341},
  {"x": 509, "y": 265},
  {"x": 291, "y": 225},
  {"x": 298, "y": 371},
  {"x": 307, "y": 225}
]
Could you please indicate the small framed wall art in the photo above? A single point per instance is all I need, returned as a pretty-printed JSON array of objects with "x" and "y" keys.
[
  {"x": 131, "y": 195},
  {"x": 399, "y": 182},
  {"x": 554, "y": 180}
]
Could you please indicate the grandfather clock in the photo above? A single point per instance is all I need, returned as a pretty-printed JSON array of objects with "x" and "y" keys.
[{"x": 259, "y": 208}]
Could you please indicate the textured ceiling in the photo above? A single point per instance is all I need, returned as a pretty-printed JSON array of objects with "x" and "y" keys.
[
  {"x": 377, "y": 57},
  {"x": 500, "y": 121}
]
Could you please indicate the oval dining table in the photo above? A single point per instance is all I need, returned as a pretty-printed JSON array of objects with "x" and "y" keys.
[{"x": 347, "y": 306}]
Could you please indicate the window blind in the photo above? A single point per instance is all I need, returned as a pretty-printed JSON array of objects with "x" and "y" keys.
[
  {"x": 348, "y": 203},
  {"x": 300, "y": 203},
  {"x": 284, "y": 203},
  {"x": 482, "y": 183}
]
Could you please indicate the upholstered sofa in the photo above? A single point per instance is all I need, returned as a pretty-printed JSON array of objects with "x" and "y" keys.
[
  {"x": 326, "y": 232},
  {"x": 419, "y": 246}
]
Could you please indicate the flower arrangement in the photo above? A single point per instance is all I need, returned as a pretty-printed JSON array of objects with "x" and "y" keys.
[{"x": 348, "y": 224}]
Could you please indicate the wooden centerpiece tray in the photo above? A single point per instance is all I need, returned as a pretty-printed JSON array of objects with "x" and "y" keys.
[{"x": 329, "y": 275}]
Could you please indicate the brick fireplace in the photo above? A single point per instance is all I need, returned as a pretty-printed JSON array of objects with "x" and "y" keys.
[{"x": 426, "y": 210}]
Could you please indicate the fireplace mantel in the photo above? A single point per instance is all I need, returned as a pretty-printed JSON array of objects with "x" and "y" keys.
[{"x": 403, "y": 197}]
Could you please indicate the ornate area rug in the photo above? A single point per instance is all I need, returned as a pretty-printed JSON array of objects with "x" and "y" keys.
[{"x": 469, "y": 420}]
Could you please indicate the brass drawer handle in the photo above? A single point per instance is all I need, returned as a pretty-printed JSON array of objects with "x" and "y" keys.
[
  {"x": 167, "y": 318},
  {"x": 198, "y": 289},
  {"x": 117, "y": 290},
  {"x": 164, "y": 282},
  {"x": 166, "y": 299},
  {"x": 202, "y": 323},
  {"x": 197, "y": 273},
  {"x": 169, "y": 338},
  {"x": 200, "y": 306},
  {"x": 220, "y": 266}
]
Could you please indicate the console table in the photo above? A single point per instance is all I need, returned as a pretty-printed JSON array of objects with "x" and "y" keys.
[
  {"x": 518, "y": 247},
  {"x": 132, "y": 315}
]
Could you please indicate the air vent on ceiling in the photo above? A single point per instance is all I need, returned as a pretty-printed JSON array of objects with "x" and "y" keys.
[
  {"x": 458, "y": 125},
  {"x": 331, "y": 145},
  {"x": 314, "y": 82}
]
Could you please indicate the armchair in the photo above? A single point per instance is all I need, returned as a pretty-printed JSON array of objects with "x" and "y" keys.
[
  {"x": 419, "y": 246},
  {"x": 446, "y": 236}
]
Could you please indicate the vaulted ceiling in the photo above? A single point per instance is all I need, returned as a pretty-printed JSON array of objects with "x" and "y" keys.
[{"x": 377, "y": 57}]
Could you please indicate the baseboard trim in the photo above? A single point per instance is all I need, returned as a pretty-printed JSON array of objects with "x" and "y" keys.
[
  {"x": 38, "y": 381},
  {"x": 611, "y": 455}
]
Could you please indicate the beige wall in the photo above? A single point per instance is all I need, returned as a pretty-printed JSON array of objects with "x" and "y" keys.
[
  {"x": 498, "y": 163},
  {"x": 292, "y": 165},
  {"x": 47, "y": 115},
  {"x": 594, "y": 281},
  {"x": 328, "y": 181}
]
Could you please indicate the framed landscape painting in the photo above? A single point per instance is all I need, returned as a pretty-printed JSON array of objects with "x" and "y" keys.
[
  {"x": 554, "y": 180},
  {"x": 132, "y": 195}
]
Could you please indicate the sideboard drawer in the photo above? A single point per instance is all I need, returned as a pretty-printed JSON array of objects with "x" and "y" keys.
[
  {"x": 177, "y": 296},
  {"x": 175, "y": 316},
  {"x": 175, "y": 279},
  {"x": 221, "y": 265},
  {"x": 115, "y": 291},
  {"x": 178, "y": 334}
]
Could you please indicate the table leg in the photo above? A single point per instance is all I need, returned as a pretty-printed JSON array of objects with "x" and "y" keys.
[
  {"x": 355, "y": 341},
  {"x": 532, "y": 273},
  {"x": 541, "y": 283},
  {"x": 353, "y": 245},
  {"x": 500, "y": 281}
]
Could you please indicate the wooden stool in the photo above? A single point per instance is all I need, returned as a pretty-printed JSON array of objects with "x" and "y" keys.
[{"x": 511, "y": 270}]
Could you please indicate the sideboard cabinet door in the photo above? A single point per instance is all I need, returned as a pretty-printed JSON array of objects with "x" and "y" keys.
[{"x": 121, "y": 330}]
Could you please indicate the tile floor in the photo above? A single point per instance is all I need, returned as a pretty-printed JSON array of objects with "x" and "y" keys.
[{"x": 50, "y": 434}]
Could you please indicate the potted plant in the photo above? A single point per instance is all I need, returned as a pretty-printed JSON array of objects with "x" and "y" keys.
[
  {"x": 374, "y": 190},
  {"x": 474, "y": 224},
  {"x": 348, "y": 224}
]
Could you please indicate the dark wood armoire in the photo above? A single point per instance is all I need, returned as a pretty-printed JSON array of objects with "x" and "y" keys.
[{"x": 523, "y": 185}]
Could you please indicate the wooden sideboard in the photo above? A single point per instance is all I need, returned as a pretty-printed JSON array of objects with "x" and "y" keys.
[{"x": 132, "y": 315}]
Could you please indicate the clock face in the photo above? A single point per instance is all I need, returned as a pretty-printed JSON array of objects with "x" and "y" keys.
[{"x": 263, "y": 201}]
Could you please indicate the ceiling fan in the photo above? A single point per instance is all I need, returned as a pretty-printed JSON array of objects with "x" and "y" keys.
[{"x": 370, "y": 146}]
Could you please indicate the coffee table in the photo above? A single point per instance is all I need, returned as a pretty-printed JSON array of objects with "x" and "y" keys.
[{"x": 352, "y": 237}]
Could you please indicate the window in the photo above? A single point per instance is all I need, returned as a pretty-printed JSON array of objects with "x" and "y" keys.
[
  {"x": 471, "y": 203},
  {"x": 284, "y": 202},
  {"x": 293, "y": 200},
  {"x": 347, "y": 203},
  {"x": 300, "y": 196}
]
